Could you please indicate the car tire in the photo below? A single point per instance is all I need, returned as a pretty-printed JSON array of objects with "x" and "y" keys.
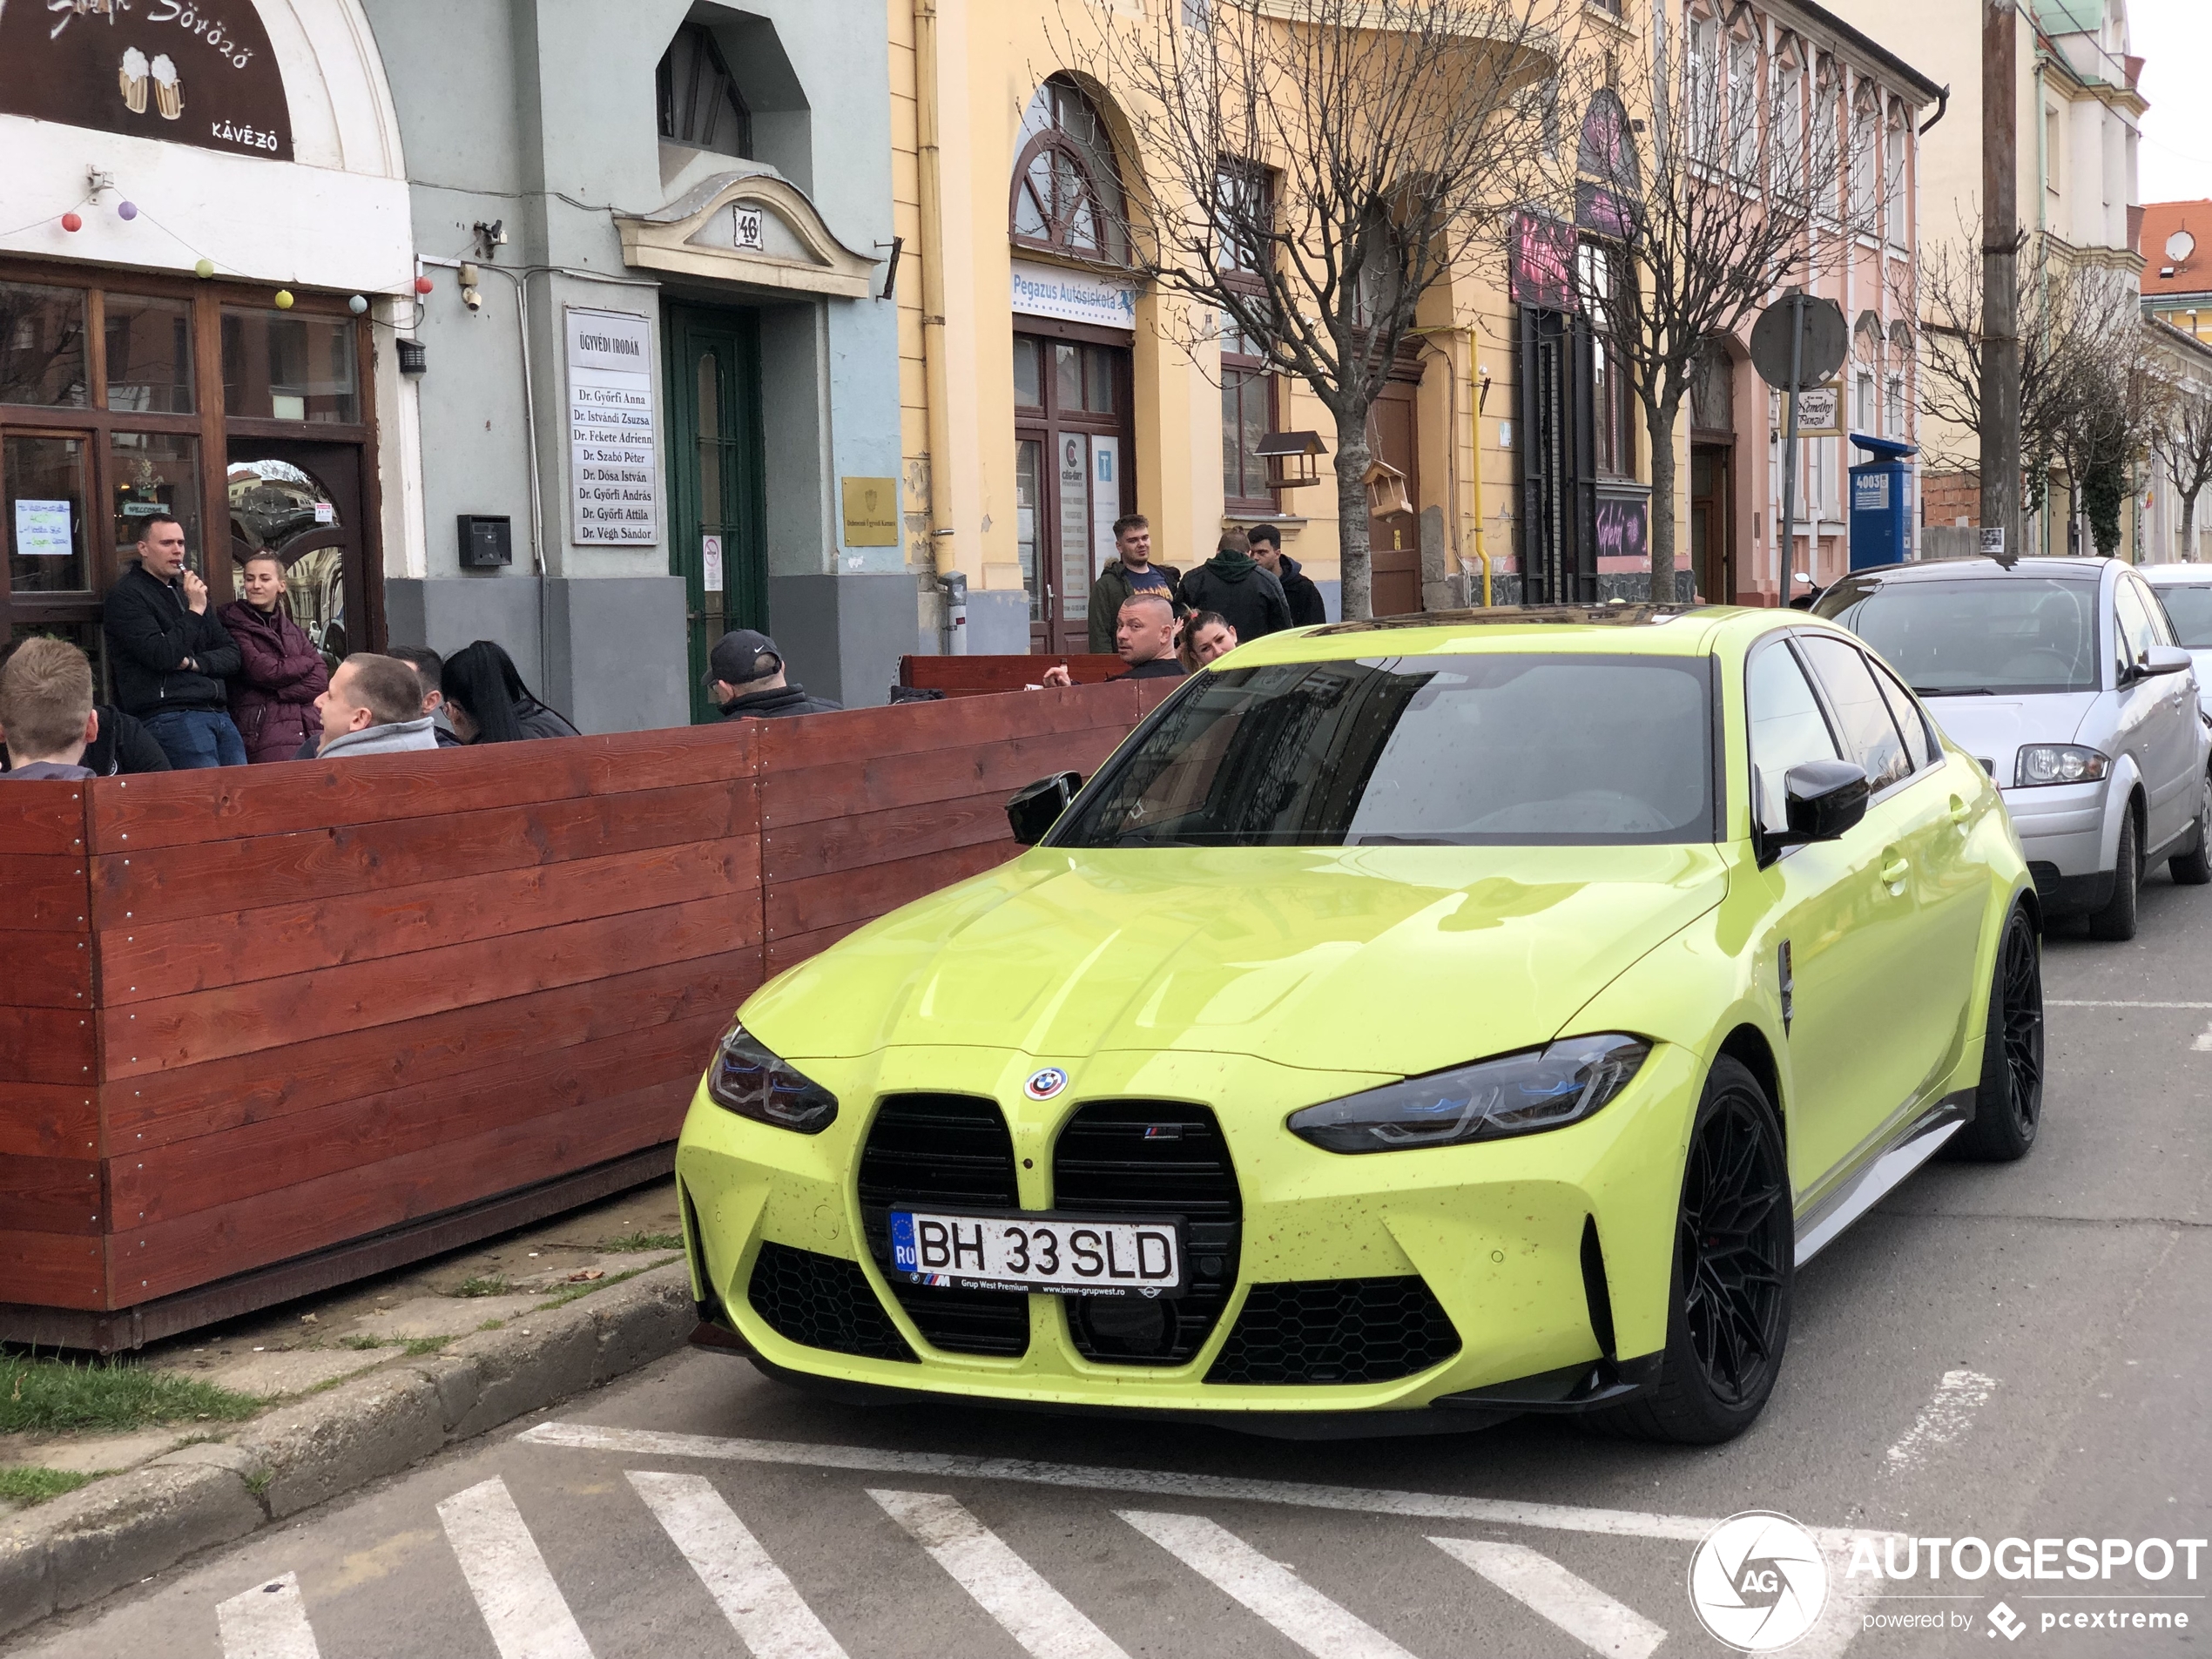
[
  {"x": 2008, "y": 1104},
  {"x": 2117, "y": 919},
  {"x": 1728, "y": 1303},
  {"x": 2194, "y": 867}
]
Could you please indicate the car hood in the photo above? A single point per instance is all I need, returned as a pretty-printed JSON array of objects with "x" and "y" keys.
[
  {"x": 1993, "y": 728},
  {"x": 1401, "y": 959}
]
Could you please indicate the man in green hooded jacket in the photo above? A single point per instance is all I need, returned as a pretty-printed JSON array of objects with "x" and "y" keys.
[{"x": 1131, "y": 571}]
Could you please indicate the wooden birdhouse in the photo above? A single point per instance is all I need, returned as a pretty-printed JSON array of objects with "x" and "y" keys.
[
  {"x": 1292, "y": 458},
  {"x": 1387, "y": 493}
]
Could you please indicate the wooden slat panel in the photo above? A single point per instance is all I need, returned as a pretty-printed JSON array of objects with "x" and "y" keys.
[
  {"x": 908, "y": 728},
  {"x": 49, "y": 1119},
  {"x": 862, "y": 839},
  {"x": 211, "y": 877},
  {"x": 208, "y": 1245},
  {"x": 168, "y": 1106},
  {"x": 46, "y": 1045},
  {"x": 811, "y": 793},
  {"x": 969, "y": 676},
  {"x": 44, "y": 819},
  {"x": 53, "y": 1269},
  {"x": 171, "y": 809},
  {"x": 245, "y": 946},
  {"x": 794, "y": 948},
  {"x": 45, "y": 969},
  {"x": 231, "y": 1020},
  {"x": 199, "y": 1174},
  {"x": 44, "y": 1194},
  {"x": 857, "y": 896},
  {"x": 44, "y": 890}
]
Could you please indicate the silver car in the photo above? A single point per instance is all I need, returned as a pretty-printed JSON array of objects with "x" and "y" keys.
[
  {"x": 2186, "y": 591},
  {"x": 2065, "y": 678}
]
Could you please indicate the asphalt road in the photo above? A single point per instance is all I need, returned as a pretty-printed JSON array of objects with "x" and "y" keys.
[{"x": 1995, "y": 1353}]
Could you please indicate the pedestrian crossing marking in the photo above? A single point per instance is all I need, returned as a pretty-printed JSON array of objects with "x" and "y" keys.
[
  {"x": 761, "y": 1603},
  {"x": 1045, "y": 1622},
  {"x": 1278, "y": 1595},
  {"x": 515, "y": 1591},
  {"x": 268, "y": 1622},
  {"x": 1573, "y": 1603}
]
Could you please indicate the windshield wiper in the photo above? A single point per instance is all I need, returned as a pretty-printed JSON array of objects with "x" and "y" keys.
[{"x": 1952, "y": 691}]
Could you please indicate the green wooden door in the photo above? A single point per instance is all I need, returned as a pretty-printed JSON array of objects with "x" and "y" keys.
[{"x": 715, "y": 462}]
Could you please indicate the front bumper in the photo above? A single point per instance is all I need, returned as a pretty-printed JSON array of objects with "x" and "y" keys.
[
  {"x": 1549, "y": 1255},
  {"x": 2063, "y": 830}
]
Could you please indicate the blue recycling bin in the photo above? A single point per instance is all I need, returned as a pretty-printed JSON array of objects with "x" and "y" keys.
[{"x": 1881, "y": 503}]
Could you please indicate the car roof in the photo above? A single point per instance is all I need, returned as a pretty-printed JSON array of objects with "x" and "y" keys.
[
  {"x": 2177, "y": 576},
  {"x": 1639, "y": 629},
  {"x": 2079, "y": 569}
]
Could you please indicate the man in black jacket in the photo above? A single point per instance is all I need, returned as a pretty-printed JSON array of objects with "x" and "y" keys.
[
  {"x": 745, "y": 675},
  {"x": 1250, "y": 600},
  {"x": 1298, "y": 591},
  {"x": 169, "y": 656}
]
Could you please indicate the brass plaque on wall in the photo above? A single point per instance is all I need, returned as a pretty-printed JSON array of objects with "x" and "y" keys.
[
  {"x": 156, "y": 69},
  {"x": 871, "y": 512}
]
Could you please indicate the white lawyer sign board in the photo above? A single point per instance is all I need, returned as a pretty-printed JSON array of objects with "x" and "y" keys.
[{"x": 616, "y": 487}]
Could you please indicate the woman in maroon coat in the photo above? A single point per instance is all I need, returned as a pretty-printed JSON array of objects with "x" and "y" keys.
[{"x": 272, "y": 696}]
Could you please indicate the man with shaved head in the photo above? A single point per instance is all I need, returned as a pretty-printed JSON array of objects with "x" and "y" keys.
[{"x": 1144, "y": 637}]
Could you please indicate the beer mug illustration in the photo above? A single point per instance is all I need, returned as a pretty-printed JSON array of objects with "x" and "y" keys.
[
  {"x": 133, "y": 78},
  {"x": 168, "y": 90}
]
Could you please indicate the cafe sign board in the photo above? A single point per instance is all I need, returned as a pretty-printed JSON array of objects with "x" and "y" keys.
[{"x": 170, "y": 70}]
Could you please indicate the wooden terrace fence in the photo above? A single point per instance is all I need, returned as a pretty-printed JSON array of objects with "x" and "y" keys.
[{"x": 264, "y": 1030}]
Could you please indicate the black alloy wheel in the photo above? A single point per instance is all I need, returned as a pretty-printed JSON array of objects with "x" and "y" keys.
[
  {"x": 1735, "y": 1255},
  {"x": 2008, "y": 1103}
]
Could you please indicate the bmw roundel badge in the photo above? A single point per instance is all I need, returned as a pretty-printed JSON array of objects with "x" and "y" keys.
[{"x": 1043, "y": 1085}]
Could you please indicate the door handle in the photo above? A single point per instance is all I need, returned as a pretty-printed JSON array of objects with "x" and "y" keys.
[
  {"x": 1959, "y": 811},
  {"x": 1895, "y": 871}
]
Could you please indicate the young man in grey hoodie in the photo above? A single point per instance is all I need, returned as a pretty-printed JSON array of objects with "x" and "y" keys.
[{"x": 373, "y": 706}]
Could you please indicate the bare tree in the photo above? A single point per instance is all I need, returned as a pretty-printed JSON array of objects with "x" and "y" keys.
[
  {"x": 1735, "y": 195},
  {"x": 2117, "y": 404},
  {"x": 2185, "y": 444},
  {"x": 1314, "y": 168}
]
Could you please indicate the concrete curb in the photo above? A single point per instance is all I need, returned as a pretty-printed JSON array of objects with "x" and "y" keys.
[{"x": 97, "y": 1540}]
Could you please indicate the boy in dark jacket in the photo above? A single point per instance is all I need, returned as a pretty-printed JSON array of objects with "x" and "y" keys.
[
  {"x": 169, "y": 656},
  {"x": 1250, "y": 600},
  {"x": 1298, "y": 591},
  {"x": 1131, "y": 570}
]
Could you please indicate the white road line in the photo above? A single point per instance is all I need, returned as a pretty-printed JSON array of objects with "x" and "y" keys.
[
  {"x": 1044, "y": 1622},
  {"x": 515, "y": 1591},
  {"x": 1943, "y": 1419},
  {"x": 1575, "y": 1605},
  {"x": 268, "y": 1622},
  {"x": 1268, "y": 1587},
  {"x": 2055, "y": 1002},
  {"x": 760, "y": 1603}
]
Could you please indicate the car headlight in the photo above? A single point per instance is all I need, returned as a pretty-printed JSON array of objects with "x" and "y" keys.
[
  {"x": 750, "y": 1081},
  {"x": 2058, "y": 763},
  {"x": 1514, "y": 1094}
]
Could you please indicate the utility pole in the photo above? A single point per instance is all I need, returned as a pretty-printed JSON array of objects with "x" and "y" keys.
[{"x": 2000, "y": 350}]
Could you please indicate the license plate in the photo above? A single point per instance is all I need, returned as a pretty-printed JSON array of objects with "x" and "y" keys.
[{"x": 1030, "y": 1252}]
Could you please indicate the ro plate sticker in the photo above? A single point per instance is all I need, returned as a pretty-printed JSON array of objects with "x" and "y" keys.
[{"x": 903, "y": 1255}]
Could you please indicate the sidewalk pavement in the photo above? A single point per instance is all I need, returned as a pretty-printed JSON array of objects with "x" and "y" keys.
[{"x": 358, "y": 1382}]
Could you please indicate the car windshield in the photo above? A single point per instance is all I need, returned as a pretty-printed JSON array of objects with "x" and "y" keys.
[
  {"x": 2008, "y": 635},
  {"x": 2191, "y": 608},
  {"x": 1534, "y": 749}
]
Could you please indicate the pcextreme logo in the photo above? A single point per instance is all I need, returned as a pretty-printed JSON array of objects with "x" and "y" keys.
[{"x": 1757, "y": 1582}]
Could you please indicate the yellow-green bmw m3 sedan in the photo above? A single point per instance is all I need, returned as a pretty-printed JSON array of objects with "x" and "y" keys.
[{"x": 1414, "y": 1023}]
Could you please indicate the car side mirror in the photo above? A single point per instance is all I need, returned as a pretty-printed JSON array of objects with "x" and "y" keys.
[
  {"x": 2163, "y": 659},
  {"x": 1824, "y": 798},
  {"x": 1036, "y": 808}
]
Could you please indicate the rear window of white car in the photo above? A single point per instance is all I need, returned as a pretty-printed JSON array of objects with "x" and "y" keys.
[
  {"x": 2189, "y": 608},
  {"x": 2008, "y": 635}
]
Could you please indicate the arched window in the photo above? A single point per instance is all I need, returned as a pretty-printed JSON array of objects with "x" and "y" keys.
[
  {"x": 1865, "y": 413},
  {"x": 1067, "y": 190},
  {"x": 1899, "y": 392},
  {"x": 1788, "y": 120},
  {"x": 1865, "y": 159},
  {"x": 1900, "y": 215}
]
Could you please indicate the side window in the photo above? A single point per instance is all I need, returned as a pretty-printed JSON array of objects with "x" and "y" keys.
[
  {"x": 1869, "y": 734},
  {"x": 2161, "y": 625},
  {"x": 2137, "y": 633},
  {"x": 1787, "y": 729},
  {"x": 1919, "y": 736}
]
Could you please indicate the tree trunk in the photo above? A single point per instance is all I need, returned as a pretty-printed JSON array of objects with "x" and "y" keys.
[
  {"x": 2189, "y": 527},
  {"x": 1659, "y": 421},
  {"x": 1351, "y": 515}
]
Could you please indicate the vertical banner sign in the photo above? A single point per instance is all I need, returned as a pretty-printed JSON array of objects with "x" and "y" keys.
[
  {"x": 1073, "y": 577},
  {"x": 1105, "y": 500},
  {"x": 616, "y": 490}
]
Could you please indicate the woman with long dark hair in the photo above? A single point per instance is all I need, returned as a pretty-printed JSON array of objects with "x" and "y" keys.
[
  {"x": 273, "y": 695},
  {"x": 486, "y": 702}
]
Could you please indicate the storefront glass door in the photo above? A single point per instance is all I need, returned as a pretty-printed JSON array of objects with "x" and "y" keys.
[
  {"x": 302, "y": 502},
  {"x": 1072, "y": 480},
  {"x": 715, "y": 458}
]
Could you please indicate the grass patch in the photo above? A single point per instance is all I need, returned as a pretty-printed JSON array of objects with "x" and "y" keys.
[
  {"x": 493, "y": 1325},
  {"x": 36, "y": 1485},
  {"x": 65, "y": 1394},
  {"x": 418, "y": 1345},
  {"x": 638, "y": 1241},
  {"x": 361, "y": 1344},
  {"x": 485, "y": 1285},
  {"x": 568, "y": 1293}
]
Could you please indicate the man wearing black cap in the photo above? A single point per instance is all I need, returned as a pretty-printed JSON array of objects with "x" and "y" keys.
[{"x": 745, "y": 675}]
